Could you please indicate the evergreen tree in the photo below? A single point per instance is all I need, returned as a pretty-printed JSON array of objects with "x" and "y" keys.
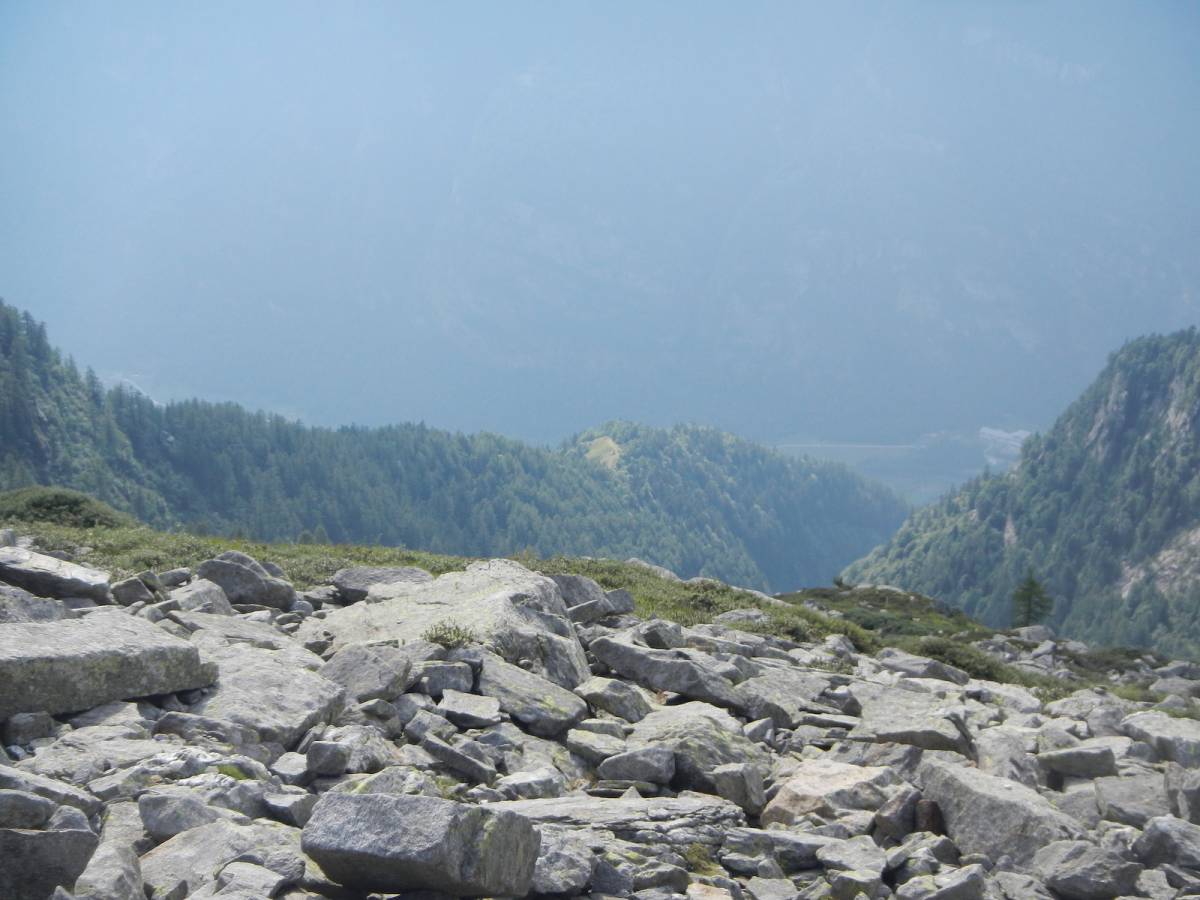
[{"x": 1030, "y": 602}]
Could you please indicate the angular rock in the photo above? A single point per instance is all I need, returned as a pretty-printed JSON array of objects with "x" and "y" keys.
[
  {"x": 80, "y": 663},
  {"x": 592, "y": 746},
  {"x": 1132, "y": 799},
  {"x": 565, "y": 863},
  {"x": 17, "y": 605},
  {"x": 202, "y": 596},
  {"x": 375, "y": 842},
  {"x": 61, "y": 793},
  {"x": 541, "y": 707},
  {"x": 741, "y": 784},
  {"x": 1077, "y": 870},
  {"x": 664, "y": 670},
  {"x": 370, "y": 672},
  {"x": 784, "y": 696},
  {"x": 825, "y": 787},
  {"x": 920, "y": 666},
  {"x": 983, "y": 812},
  {"x": 244, "y": 581},
  {"x": 264, "y": 690},
  {"x": 1183, "y": 792},
  {"x": 469, "y": 710},
  {"x": 1167, "y": 839},
  {"x": 702, "y": 737},
  {"x": 192, "y": 859},
  {"x": 113, "y": 873},
  {"x": 132, "y": 590},
  {"x": 353, "y": 584},
  {"x": 1177, "y": 740},
  {"x": 34, "y": 862},
  {"x": 615, "y": 696},
  {"x": 897, "y": 716},
  {"x": 165, "y": 815},
  {"x": 1083, "y": 761},
  {"x": 45, "y": 576},
  {"x": 517, "y": 612},
  {"x": 652, "y": 764}
]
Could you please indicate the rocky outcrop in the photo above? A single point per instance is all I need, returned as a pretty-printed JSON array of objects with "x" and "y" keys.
[
  {"x": 236, "y": 741},
  {"x": 80, "y": 663},
  {"x": 46, "y": 576}
]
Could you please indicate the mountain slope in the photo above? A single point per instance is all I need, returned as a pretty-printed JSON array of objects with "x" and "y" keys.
[
  {"x": 693, "y": 499},
  {"x": 1105, "y": 508}
]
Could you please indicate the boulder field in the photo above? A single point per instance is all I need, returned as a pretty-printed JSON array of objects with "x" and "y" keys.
[{"x": 496, "y": 732}]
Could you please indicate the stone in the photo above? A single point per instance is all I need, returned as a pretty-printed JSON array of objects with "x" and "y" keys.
[
  {"x": 741, "y": 784},
  {"x": 436, "y": 677},
  {"x": 132, "y": 590},
  {"x": 202, "y": 596},
  {"x": 1182, "y": 787},
  {"x": 80, "y": 663},
  {"x": 531, "y": 785},
  {"x": 165, "y": 815},
  {"x": 244, "y": 581},
  {"x": 45, "y": 576},
  {"x": 113, "y": 873},
  {"x": 1132, "y": 799},
  {"x": 1167, "y": 839},
  {"x": 517, "y": 612},
  {"x": 702, "y": 737},
  {"x": 1003, "y": 751},
  {"x": 825, "y": 787},
  {"x": 664, "y": 670},
  {"x": 784, "y": 696},
  {"x": 266, "y": 691},
  {"x": 920, "y": 666},
  {"x": 17, "y": 605},
  {"x": 891, "y": 715},
  {"x": 327, "y": 758},
  {"x": 33, "y": 862},
  {"x": 370, "y": 672},
  {"x": 353, "y": 584},
  {"x": 476, "y": 767},
  {"x": 1176, "y": 740},
  {"x": 1082, "y": 761},
  {"x": 62, "y": 794},
  {"x": 1078, "y": 870},
  {"x": 192, "y": 859},
  {"x": 538, "y": 705},
  {"x": 24, "y": 728},
  {"x": 615, "y": 696},
  {"x": 565, "y": 863},
  {"x": 377, "y": 842},
  {"x": 653, "y": 764},
  {"x": 20, "y": 809},
  {"x": 983, "y": 812},
  {"x": 593, "y": 746},
  {"x": 469, "y": 710}
]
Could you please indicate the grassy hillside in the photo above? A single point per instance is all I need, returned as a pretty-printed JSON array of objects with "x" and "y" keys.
[
  {"x": 693, "y": 499},
  {"x": 1104, "y": 507}
]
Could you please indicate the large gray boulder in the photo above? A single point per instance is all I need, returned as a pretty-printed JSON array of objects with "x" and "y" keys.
[
  {"x": 785, "y": 696},
  {"x": 983, "y": 812},
  {"x": 18, "y": 605},
  {"x": 202, "y": 596},
  {"x": 537, "y": 705},
  {"x": 1167, "y": 839},
  {"x": 664, "y": 670},
  {"x": 1078, "y": 870},
  {"x": 920, "y": 666},
  {"x": 43, "y": 850},
  {"x": 898, "y": 716},
  {"x": 518, "y": 613},
  {"x": 269, "y": 692},
  {"x": 370, "y": 672},
  {"x": 47, "y": 576},
  {"x": 377, "y": 842},
  {"x": 615, "y": 696},
  {"x": 192, "y": 859},
  {"x": 1177, "y": 740},
  {"x": 245, "y": 581},
  {"x": 353, "y": 584},
  {"x": 826, "y": 788},
  {"x": 76, "y": 664},
  {"x": 702, "y": 737}
]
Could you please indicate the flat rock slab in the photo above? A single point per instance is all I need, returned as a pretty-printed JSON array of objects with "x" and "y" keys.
[
  {"x": 516, "y": 611},
  {"x": 77, "y": 664},
  {"x": 353, "y": 584},
  {"x": 377, "y": 842},
  {"x": 690, "y": 818},
  {"x": 47, "y": 576}
]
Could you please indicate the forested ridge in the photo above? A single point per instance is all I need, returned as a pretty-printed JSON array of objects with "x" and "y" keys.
[
  {"x": 691, "y": 498},
  {"x": 1104, "y": 508}
]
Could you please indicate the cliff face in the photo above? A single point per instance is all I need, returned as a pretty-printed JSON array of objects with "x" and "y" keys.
[
  {"x": 211, "y": 730},
  {"x": 1103, "y": 507}
]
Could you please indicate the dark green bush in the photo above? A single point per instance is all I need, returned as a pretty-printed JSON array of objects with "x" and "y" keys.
[{"x": 59, "y": 506}]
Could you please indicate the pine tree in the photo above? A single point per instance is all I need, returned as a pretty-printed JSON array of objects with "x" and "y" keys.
[{"x": 1030, "y": 602}]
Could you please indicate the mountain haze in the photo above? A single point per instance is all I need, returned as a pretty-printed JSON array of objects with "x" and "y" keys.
[
  {"x": 694, "y": 499},
  {"x": 1104, "y": 507}
]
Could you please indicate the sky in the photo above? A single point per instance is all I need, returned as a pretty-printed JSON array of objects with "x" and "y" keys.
[{"x": 846, "y": 222}]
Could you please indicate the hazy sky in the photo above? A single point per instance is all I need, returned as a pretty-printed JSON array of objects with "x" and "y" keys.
[{"x": 848, "y": 221}]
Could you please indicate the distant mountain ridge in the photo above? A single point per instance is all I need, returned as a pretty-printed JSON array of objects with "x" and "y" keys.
[
  {"x": 694, "y": 499},
  {"x": 1104, "y": 507}
]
